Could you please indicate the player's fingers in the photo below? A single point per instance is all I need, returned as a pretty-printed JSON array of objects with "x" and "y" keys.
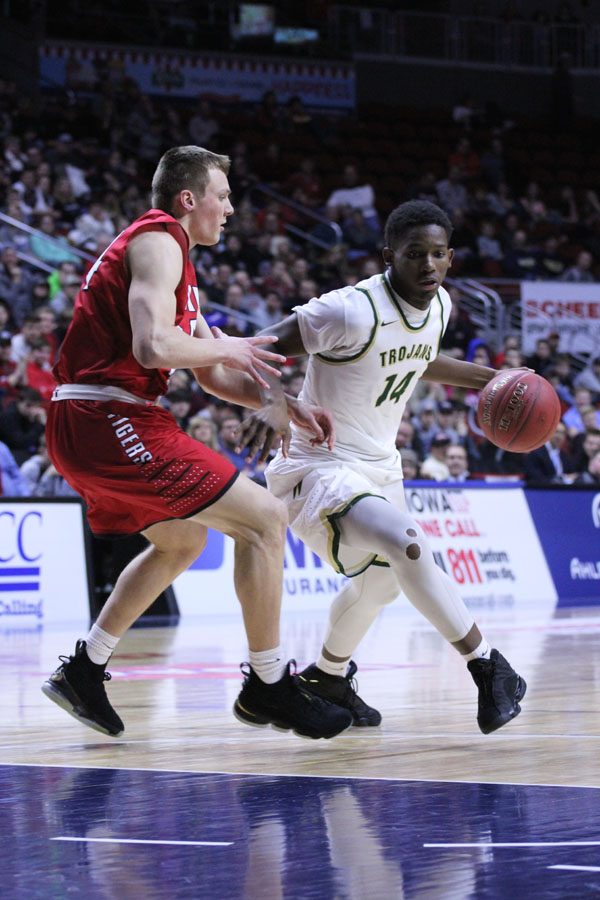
[
  {"x": 267, "y": 444},
  {"x": 263, "y": 339},
  {"x": 285, "y": 442},
  {"x": 270, "y": 370},
  {"x": 268, "y": 355}
]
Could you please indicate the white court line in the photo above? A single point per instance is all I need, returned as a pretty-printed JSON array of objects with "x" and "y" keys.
[
  {"x": 134, "y": 841},
  {"x": 523, "y": 844},
  {"x": 578, "y": 868}
]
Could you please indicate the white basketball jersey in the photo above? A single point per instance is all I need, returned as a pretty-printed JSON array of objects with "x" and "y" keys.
[{"x": 366, "y": 358}]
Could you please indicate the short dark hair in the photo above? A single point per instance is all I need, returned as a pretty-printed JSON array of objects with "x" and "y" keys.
[
  {"x": 184, "y": 167},
  {"x": 413, "y": 214}
]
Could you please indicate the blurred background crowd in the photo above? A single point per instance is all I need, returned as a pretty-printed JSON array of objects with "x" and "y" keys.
[{"x": 311, "y": 199}]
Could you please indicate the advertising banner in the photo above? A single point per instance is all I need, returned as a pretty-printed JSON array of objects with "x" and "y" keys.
[
  {"x": 207, "y": 586},
  {"x": 485, "y": 540},
  {"x": 572, "y": 310},
  {"x": 43, "y": 562},
  {"x": 568, "y": 522},
  {"x": 171, "y": 74}
]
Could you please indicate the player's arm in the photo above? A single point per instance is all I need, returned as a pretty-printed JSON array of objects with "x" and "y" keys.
[
  {"x": 457, "y": 372},
  {"x": 156, "y": 265}
]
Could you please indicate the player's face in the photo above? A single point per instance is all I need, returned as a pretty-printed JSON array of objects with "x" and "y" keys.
[
  {"x": 419, "y": 263},
  {"x": 211, "y": 211}
]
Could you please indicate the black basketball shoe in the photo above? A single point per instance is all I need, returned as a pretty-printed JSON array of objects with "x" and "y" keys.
[
  {"x": 500, "y": 690},
  {"x": 78, "y": 687},
  {"x": 340, "y": 689},
  {"x": 286, "y": 705}
]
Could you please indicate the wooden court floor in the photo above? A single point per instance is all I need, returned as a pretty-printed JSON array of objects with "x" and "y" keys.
[{"x": 174, "y": 688}]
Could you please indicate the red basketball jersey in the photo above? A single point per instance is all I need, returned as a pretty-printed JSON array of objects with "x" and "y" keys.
[{"x": 97, "y": 348}]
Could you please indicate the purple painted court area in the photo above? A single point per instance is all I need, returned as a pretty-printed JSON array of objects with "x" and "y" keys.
[{"x": 106, "y": 833}]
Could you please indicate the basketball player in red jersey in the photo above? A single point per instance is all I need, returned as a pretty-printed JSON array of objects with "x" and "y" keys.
[{"x": 136, "y": 317}]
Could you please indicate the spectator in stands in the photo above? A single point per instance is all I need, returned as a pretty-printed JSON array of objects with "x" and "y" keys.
[
  {"x": 452, "y": 193},
  {"x": 434, "y": 465},
  {"x": 560, "y": 376},
  {"x": 353, "y": 195},
  {"x": 9, "y": 376},
  {"x": 38, "y": 370},
  {"x": 67, "y": 207},
  {"x": 22, "y": 423},
  {"x": 179, "y": 404},
  {"x": 590, "y": 378},
  {"x": 541, "y": 359},
  {"x": 465, "y": 158},
  {"x": 581, "y": 270},
  {"x": 584, "y": 445},
  {"x": 31, "y": 330},
  {"x": 16, "y": 283},
  {"x": 64, "y": 301},
  {"x": 493, "y": 165},
  {"x": 447, "y": 420},
  {"x": 573, "y": 416},
  {"x": 359, "y": 236},
  {"x": 48, "y": 245},
  {"x": 12, "y": 483},
  {"x": 202, "y": 428},
  {"x": 41, "y": 477},
  {"x": 424, "y": 188},
  {"x": 408, "y": 439},
  {"x": 466, "y": 112},
  {"x": 457, "y": 463},
  {"x": 270, "y": 312},
  {"x": 532, "y": 203},
  {"x": 591, "y": 475},
  {"x": 6, "y": 320},
  {"x": 305, "y": 185},
  {"x": 460, "y": 330},
  {"x": 550, "y": 463},
  {"x": 93, "y": 227},
  {"x": 203, "y": 127},
  {"x": 489, "y": 249},
  {"x": 551, "y": 263},
  {"x": 425, "y": 423},
  {"x": 520, "y": 258},
  {"x": 410, "y": 465}
]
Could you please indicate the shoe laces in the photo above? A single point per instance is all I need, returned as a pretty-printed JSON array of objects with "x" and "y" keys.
[{"x": 65, "y": 660}]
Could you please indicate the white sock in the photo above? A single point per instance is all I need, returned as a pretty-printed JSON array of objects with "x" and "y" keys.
[
  {"x": 99, "y": 645},
  {"x": 332, "y": 668},
  {"x": 267, "y": 664},
  {"x": 481, "y": 652}
]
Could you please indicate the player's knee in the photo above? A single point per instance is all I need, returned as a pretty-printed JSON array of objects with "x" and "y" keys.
[{"x": 275, "y": 521}]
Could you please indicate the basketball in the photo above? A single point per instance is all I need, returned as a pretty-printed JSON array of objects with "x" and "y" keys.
[{"x": 518, "y": 410}]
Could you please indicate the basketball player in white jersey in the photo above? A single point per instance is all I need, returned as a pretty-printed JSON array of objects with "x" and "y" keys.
[{"x": 368, "y": 345}]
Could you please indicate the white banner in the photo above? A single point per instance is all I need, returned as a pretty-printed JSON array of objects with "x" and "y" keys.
[
  {"x": 486, "y": 541},
  {"x": 572, "y": 310},
  {"x": 207, "y": 587},
  {"x": 484, "y": 538},
  {"x": 43, "y": 567}
]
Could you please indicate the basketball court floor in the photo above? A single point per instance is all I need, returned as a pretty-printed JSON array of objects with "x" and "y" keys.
[{"x": 189, "y": 803}]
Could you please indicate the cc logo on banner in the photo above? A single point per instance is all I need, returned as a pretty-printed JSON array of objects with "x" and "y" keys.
[{"x": 596, "y": 511}]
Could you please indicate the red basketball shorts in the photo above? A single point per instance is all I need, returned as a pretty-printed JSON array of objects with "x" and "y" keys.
[{"x": 132, "y": 464}]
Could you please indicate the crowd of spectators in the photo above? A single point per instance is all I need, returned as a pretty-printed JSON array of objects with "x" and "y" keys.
[{"x": 76, "y": 174}]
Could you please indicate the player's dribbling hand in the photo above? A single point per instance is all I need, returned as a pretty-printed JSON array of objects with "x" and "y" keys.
[{"x": 246, "y": 355}]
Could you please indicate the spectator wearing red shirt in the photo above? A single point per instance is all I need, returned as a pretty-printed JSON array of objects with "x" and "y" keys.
[{"x": 38, "y": 371}]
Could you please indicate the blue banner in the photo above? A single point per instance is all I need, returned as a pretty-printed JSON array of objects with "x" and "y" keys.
[{"x": 568, "y": 524}]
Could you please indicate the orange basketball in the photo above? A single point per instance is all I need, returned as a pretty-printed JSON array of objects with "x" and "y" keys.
[{"x": 518, "y": 410}]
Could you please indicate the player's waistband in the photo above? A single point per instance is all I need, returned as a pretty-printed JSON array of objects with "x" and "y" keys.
[{"x": 97, "y": 392}]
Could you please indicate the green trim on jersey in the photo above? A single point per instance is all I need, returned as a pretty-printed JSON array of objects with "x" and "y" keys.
[
  {"x": 330, "y": 521},
  {"x": 366, "y": 348},
  {"x": 392, "y": 296},
  {"x": 444, "y": 324}
]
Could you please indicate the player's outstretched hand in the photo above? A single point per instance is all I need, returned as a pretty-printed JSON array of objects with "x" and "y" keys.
[
  {"x": 263, "y": 429},
  {"x": 315, "y": 419},
  {"x": 247, "y": 355}
]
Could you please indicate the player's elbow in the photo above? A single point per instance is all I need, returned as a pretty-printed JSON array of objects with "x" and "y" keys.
[{"x": 146, "y": 351}]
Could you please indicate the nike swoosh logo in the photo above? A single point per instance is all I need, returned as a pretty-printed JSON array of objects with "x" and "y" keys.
[{"x": 391, "y": 322}]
